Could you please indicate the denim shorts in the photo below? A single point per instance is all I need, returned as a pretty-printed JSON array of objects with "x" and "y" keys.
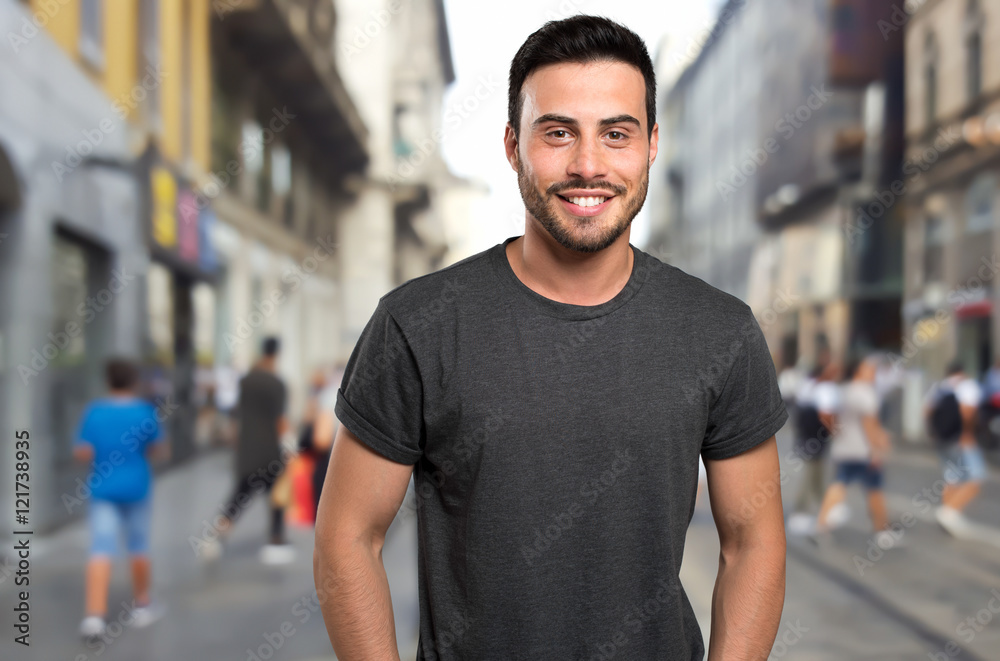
[
  {"x": 859, "y": 471},
  {"x": 963, "y": 464},
  {"x": 109, "y": 520}
]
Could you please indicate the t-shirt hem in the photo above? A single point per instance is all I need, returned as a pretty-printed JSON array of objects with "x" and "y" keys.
[
  {"x": 751, "y": 438},
  {"x": 371, "y": 436}
]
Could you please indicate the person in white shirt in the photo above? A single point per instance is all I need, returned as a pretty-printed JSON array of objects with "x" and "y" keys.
[
  {"x": 811, "y": 444},
  {"x": 859, "y": 445},
  {"x": 963, "y": 464}
]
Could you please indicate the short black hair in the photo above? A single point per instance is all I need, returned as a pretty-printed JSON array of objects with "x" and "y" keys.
[
  {"x": 954, "y": 367},
  {"x": 580, "y": 39},
  {"x": 121, "y": 374},
  {"x": 271, "y": 346}
]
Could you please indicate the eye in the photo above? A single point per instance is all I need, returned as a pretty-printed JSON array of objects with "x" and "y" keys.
[
  {"x": 553, "y": 133},
  {"x": 612, "y": 134}
]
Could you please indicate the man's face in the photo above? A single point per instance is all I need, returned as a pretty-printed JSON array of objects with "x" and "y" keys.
[{"x": 583, "y": 155}]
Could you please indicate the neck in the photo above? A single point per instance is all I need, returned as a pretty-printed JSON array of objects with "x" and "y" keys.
[
  {"x": 120, "y": 394},
  {"x": 567, "y": 276}
]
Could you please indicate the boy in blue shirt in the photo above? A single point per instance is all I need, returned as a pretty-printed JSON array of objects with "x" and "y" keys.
[{"x": 116, "y": 434}]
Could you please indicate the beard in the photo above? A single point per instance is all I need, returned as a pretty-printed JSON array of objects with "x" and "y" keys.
[{"x": 591, "y": 234}]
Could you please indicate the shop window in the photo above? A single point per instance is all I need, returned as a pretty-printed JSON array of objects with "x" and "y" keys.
[
  {"x": 69, "y": 298},
  {"x": 933, "y": 249},
  {"x": 160, "y": 298},
  {"x": 979, "y": 204}
]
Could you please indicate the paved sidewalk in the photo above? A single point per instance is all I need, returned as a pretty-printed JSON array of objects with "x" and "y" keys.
[{"x": 232, "y": 610}]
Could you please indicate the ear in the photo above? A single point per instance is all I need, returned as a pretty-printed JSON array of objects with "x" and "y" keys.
[
  {"x": 510, "y": 146},
  {"x": 654, "y": 143}
]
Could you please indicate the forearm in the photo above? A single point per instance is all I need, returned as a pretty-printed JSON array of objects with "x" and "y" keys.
[
  {"x": 353, "y": 592},
  {"x": 747, "y": 602}
]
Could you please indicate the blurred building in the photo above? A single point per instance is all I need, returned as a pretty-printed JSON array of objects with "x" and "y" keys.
[
  {"x": 951, "y": 173},
  {"x": 776, "y": 134},
  {"x": 179, "y": 179},
  {"x": 99, "y": 108}
]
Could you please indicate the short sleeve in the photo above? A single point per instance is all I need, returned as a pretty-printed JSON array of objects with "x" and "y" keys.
[
  {"x": 85, "y": 434},
  {"x": 156, "y": 434},
  {"x": 828, "y": 397},
  {"x": 380, "y": 398},
  {"x": 968, "y": 393},
  {"x": 749, "y": 408}
]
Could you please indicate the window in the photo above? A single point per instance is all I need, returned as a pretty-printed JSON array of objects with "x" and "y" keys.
[
  {"x": 979, "y": 204},
  {"x": 69, "y": 294},
  {"x": 148, "y": 61},
  {"x": 934, "y": 240},
  {"x": 92, "y": 32},
  {"x": 930, "y": 79},
  {"x": 973, "y": 51}
]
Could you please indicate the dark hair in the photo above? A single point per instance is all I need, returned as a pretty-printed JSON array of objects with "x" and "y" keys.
[
  {"x": 954, "y": 367},
  {"x": 271, "y": 346},
  {"x": 121, "y": 374},
  {"x": 852, "y": 368},
  {"x": 580, "y": 39}
]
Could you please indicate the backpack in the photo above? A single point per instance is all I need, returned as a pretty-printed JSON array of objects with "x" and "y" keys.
[
  {"x": 946, "y": 419},
  {"x": 810, "y": 428}
]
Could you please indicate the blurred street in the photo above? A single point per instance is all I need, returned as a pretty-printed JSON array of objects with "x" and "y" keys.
[{"x": 908, "y": 604}]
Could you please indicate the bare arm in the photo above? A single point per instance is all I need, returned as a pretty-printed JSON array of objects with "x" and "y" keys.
[
  {"x": 877, "y": 437},
  {"x": 323, "y": 429},
  {"x": 750, "y": 588},
  {"x": 361, "y": 495}
]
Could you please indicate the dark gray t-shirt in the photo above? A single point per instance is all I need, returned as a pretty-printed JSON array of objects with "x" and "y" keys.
[
  {"x": 261, "y": 405},
  {"x": 556, "y": 451}
]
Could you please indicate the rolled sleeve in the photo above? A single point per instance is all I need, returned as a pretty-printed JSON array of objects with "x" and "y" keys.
[
  {"x": 380, "y": 399},
  {"x": 749, "y": 409}
]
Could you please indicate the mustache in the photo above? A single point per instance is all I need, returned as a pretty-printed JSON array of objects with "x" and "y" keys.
[{"x": 557, "y": 188}]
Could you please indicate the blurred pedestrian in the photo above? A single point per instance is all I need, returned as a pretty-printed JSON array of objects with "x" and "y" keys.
[
  {"x": 950, "y": 409},
  {"x": 858, "y": 448},
  {"x": 116, "y": 434},
  {"x": 326, "y": 429},
  {"x": 259, "y": 459},
  {"x": 811, "y": 443},
  {"x": 990, "y": 405},
  {"x": 227, "y": 396},
  {"x": 308, "y": 451}
]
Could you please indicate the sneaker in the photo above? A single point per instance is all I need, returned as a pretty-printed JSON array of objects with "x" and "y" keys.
[
  {"x": 277, "y": 554},
  {"x": 838, "y": 516},
  {"x": 800, "y": 524},
  {"x": 143, "y": 616},
  {"x": 92, "y": 627},
  {"x": 952, "y": 520}
]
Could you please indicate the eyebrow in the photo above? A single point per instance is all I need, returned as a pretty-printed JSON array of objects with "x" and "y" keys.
[{"x": 563, "y": 119}]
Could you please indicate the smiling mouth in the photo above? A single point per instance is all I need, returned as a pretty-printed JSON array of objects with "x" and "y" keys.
[{"x": 585, "y": 202}]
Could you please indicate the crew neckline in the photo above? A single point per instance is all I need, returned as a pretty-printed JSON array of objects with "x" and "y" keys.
[{"x": 567, "y": 310}]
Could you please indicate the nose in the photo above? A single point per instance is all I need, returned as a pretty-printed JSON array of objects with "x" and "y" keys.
[{"x": 587, "y": 160}]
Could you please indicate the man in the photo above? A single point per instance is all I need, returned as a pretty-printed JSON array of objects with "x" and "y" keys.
[
  {"x": 551, "y": 396},
  {"x": 259, "y": 459},
  {"x": 950, "y": 409},
  {"x": 859, "y": 446}
]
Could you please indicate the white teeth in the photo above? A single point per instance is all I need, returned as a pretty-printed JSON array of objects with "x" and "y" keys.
[{"x": 587, "y": 201}]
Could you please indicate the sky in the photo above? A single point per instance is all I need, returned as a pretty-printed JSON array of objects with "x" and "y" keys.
[{"x": 484, "y": 37}]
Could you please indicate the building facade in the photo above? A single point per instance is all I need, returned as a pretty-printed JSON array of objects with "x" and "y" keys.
[{"x": 952, "y": 172}]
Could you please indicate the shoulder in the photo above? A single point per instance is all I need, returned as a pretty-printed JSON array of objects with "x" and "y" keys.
[
  {"x": 428, "y": 295},
  {"x": 707, "y": 311}
]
